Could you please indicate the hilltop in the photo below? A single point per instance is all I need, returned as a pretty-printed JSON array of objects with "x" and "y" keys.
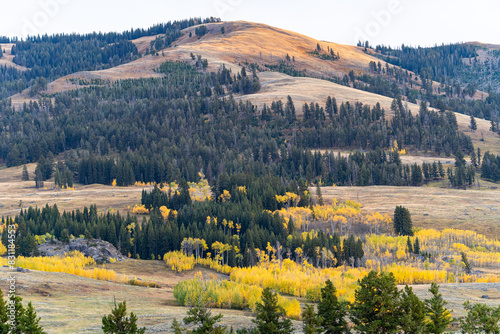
[{"x": 245, "y": 43}]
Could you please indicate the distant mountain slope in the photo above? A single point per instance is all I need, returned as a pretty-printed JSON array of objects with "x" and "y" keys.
[
  {"x": 244, "y": 43},
  {"x": 7, "y": 59}
]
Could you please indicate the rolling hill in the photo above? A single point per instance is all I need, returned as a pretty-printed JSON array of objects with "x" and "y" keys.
[{"x": 252, "y": 43}]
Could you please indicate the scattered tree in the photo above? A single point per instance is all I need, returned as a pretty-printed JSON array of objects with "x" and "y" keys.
[
  {"x": 480, "y": 319},
  {"x": 375, "y": 308},
  {"x": 437, "y": 313},
  {"x": 118, "y": 323},
  {"x": 331, "y": 312},
  {"x": 412, "y": 312},
  {"x": 402, "y": 221},
  {"x": 269, "y": 317}
]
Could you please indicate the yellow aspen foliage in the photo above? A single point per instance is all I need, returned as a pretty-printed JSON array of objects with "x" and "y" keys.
[
  {"x": 73, "y": 263},
  {"x": 165, "y": 212},
  {"x": 3, "y": 249},
  {"x": 113, "y": 184},
  {"x": 228, "y": 294},
  {"x": 178, "y": 261},
  {"x": 225, "y": 196},
  {"x": 140, "y": 210}
]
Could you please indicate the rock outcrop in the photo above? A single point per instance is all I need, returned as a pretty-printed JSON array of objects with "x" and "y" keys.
[{"x": 100, "y": 251}]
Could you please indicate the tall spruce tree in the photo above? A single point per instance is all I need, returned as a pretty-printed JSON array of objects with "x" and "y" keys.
[
  {"x": 437, "y": 313},
  {"x": 331, "y": 312},
  {"x": 270, "y": 318},
  {"x": 310, "y": 320},
  {"x": 402, "y": 221},
  {"x": 412, "y": 311},
  {"x": 25, "y": 176},
  {"x": 30, "y": 323},
  {"x": 473, "y": 123},
  {"x": 376, "y": 304},
  {"x": 118, "y": 323},
  {"x": 4, "y": 326}
]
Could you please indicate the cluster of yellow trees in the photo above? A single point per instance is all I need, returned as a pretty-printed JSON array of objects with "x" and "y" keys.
[
  {"x": 73, "y": 263},
  {"x": 304, "y": 280},
  {"x": 338, "y": 218},
  {"x": 449, "y": 244},
  {"x": 140, "y": 210},
  {"x": 229, "y": 226},
  {"x": 3, "y": 249},
  {"x": 179, "y": 261},
  {"x": 395, "y": 148},
  {"x": 227, "y": 294}
]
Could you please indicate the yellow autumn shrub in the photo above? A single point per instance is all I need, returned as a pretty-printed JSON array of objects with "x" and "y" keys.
[
  {"x": 73, "y": 263},
  {"x": 228, "y": 295}
]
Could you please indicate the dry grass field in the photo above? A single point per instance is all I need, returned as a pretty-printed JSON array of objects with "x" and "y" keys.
[
  {"x": 8, "y": 57},
  {"x": 70, "y": 304},
  {"x": 430, "y": 207},
  {"x": 13, "y": 190}
]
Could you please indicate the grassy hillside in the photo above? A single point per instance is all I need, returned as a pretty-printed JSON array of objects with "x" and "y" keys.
[
  {"x": 70, "y": 304},
  {"x": 7, "y": 59},
  {"x": 246, "y": 42}
]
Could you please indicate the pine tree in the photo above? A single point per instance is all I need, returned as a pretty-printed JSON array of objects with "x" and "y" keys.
[
  {"x": 329, "y": 107},
  {"x": 480, "y": 318},
  {"x": 409, "y": 246},
  {"x": 25, "y": 176},
  {"x": 270, "y": 318},
  {"x": 467, "y": 264},
  {"x": 176, "y": 327},
  {"x": 57, "y": 179},
  {"x": 416, "y": 175},
  {"x": 440, "y": 169},
  {"x": 439, "y": 317},
  {"x": 118, "y": 323},
  {"x": 416, "y": 246},
  {"x": 200, "y": 315},
  {"x": 30, "y": 323},
  {"x": 310, "y": 320},
  {"x": 412, "y": 311},
  {"x": 38, "y": 177},
  {"x": 375, "y": 307},
  {"x": 331, "y": 312},
  {"x": 18, "y": 314},
  {"x": 290, "y": 110},
  {"x": 4, "y": 326},
  {"x": 319, "y": 195},
  {"x": 473, "y": 123},
  {"x": 402, "y": 221}
]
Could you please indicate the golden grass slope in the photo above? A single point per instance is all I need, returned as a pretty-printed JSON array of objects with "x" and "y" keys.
[
  {"x": 262, "y": 44},
  {"x": 8, "y": 57},
  {"x": 437, "y": 208}
]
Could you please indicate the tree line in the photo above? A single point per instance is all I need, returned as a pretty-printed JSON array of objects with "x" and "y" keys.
[{"x": 51, "y": 57}]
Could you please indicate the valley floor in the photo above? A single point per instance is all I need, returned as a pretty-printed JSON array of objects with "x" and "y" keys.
[
  {"x": 72, "y": 304},
  {"x": 430, "y": 207}
]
